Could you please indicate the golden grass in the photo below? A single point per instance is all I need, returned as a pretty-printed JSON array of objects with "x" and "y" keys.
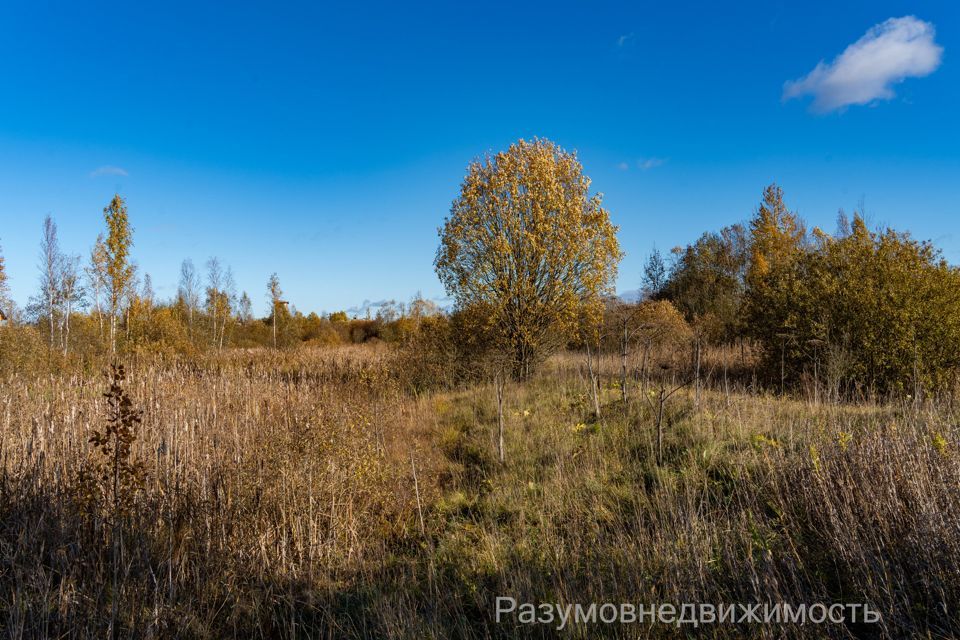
[{"x": 280, "y": 501}]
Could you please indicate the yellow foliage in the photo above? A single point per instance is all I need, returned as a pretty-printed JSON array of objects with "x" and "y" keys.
[
  {"x": 527, "y": 243},
  {"x": 843, "y": 439},
  {"x": 815, "y": 457},
  {"x": 939, "y": 443}
]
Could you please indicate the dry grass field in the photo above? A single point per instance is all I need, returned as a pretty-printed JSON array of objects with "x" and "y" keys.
[
  {"x": 463, "y": 321},
  {"x": 309, "y": 493}
]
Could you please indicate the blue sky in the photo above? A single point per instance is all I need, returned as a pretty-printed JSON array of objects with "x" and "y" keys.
[{"x": 326, "y": 141}]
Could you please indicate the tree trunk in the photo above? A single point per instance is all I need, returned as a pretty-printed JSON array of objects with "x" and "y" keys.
[
  {"x": 50, "y": 313},
  {"x": 113, "y": 332},
  {"x": 623, "y": 367},
  {"x": 816, "y": 380},
  {"x": 593, "y": 383},
  {"x": 783, "y": 355},
  {"x": 499, "y": 382},
  {"x": 697, "y": 374},
  {"x": 213, "y": 322},
  {"x": 416, "y": 491},
  {"x": 726, "y": 382},
  {"x": 661, "y": 399},
  {"x": 643, "y": 367},
  {"x": 66, "y": 333},
  {"x": 99, "y": 313}
]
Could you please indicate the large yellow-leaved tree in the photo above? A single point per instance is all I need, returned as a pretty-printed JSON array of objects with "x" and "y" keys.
[{"x": 527, "y": 244}]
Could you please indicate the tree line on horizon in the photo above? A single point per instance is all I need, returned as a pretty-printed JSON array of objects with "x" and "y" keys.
[
  {"x": 867, "y": 312},
  {"x": 102, "y": 306},
  {"x": 529, "y": 256}
]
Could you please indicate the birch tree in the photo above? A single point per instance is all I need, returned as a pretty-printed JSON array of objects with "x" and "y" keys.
[
  {"x": 96, "y": 272},
  {"x": 49, "y": 274},
  {"x": 229, "y": 302},
  {"x": 244, "y": 309},
  {"x": 214, "y": 296},
  {"x": 4, "y": 290},
  {"x": 275, "y": 294},
  {"x": 119, "y": 271},
  {"x": 71, "y": 295},
  {"x": 189, "y": 290}
]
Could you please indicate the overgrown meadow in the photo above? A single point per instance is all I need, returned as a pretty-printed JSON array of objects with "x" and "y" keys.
[{"x": 312, "y": 493}]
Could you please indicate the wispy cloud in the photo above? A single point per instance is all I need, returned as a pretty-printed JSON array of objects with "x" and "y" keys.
[
  {"x": 866, "y": 71},
  {"x": 368, "y": 305},
  {"x": 108, "y": 170},
  {"x": 374, "y": 306},
  {"x": 624, "y": 40},
  {"x": 644, "y": 164}
]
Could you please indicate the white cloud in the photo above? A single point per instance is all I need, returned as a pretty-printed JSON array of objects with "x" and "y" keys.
[
  {"x": 644, "y": 164},
  {"x": 866, "y": 71},
  {"x": 108, "y": 170},
  {"x": 624, "y": 40}
]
